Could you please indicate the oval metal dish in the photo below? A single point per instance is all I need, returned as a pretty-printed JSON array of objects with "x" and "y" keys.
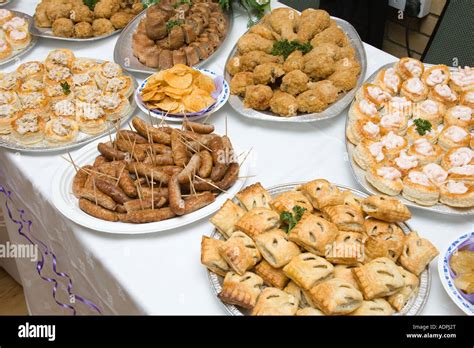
[
  {"x": 19, "y": 53},
  {"x": 359, "y": 174},
  {"x": 413, "y": 307},
  {"x": 332, "y": 111},
  {"x": 5, "y": 3},
  {"x": 123, "y": 54},
  {"x": 48, "y": 34},
  {"x": 82, "y": 139}
]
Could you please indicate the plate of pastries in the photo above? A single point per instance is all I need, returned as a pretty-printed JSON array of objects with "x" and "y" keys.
[
  {"x": 173, "y": 32},
  {"x": 150, "y": 178},
  {"x": 15, "y": 38},
  {"x": 456, "y": 271},
  {"x": 62, "y": 102},
  {"x": 83, "y": 20},
  {"x": 293, "y": 67},
  {"x": 409, "y": 134},
  {"x": 316, "y": 248}
]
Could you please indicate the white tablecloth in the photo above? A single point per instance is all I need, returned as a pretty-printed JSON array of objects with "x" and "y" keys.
[{"x": 161, "y": 273}]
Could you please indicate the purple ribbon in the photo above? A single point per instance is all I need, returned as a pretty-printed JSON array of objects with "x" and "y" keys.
[{"x": 40, "y": 263}]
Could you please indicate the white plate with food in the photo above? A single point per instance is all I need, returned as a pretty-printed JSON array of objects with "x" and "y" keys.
[
  {"x": 410, "y": 136},
  {"x": 137, "y": 208},
  {"x": 66, "y": 110},
  {"x": 339, "y": 255},
  {"x": 5, "y": 2},
  {"x": 456, "y": 271},
  {"x": 17, "y": 40},
  {"x": 219, "y": 95},
  {"x": 291, "y": 81},
  {"x": 160, "y": 38}
]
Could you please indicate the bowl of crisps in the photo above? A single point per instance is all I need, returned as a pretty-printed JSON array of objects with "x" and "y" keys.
[{"x": 182, "y": 92}]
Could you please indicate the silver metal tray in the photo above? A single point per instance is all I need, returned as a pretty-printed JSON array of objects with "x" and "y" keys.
[
  {"x": 123, "y": 54},
  {"x": 18, "y": 53},
  {"x": 413, "y": 307},
  {"x": 359, "y": 174},
  {"x": 333, "y": 110},
  {"x": 5, "y": 3},
  {"x": 6, "y": 141}
]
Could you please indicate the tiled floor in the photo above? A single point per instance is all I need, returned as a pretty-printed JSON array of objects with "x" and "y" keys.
[{"x": 12, "y": 300}]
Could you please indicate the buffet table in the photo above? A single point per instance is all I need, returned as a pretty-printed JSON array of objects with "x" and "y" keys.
[{"x": 160, "y": 273}]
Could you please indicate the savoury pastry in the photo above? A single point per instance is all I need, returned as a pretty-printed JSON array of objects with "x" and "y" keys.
[
  {"x": 105, "y": 72},
  {"x": 459, "y": 115},
  {"x": 385, "y": 208},
  {"x": 8, "y": 113},
  {"x": 258, "y": 221},
  {"x": 321, "y": 193},
  {"x": 122, "y": 85},
  {"x": 374, "y": 227},
  {"x": 82, "y": 80},
  {"x": 417, "y": 253},
  {"x": 404, "y": 162},
  {"x": 91, "y": 118},
  {"x": 389, "y": 245},
  {"x": 346, "y": 218},
  {"x": 457, "y": 157},
  {"x": 58, "y": 74},
  {"x": 275, "y": 247},
  {"x": 463, "y": 173},
  {"x": 399, "y": 299},
  {"x": 386, "y": 179},
  {"x": 453, "y": 136},
  {"x": 344, "y": 272},
  {"x": 211, "y": 258},
  {"x": 33, "y": 70},
  {"x": 389, "y": 80},
  {"x": 368, "y": 153},
  {"x": 28, "y": 128},
  {"x": 114, "y": 105},
  {"x": 9, "y": 81},
  {"x": 336, "y": 297},
  {"x": 457, "y": 194},
  {"x": 302, "y": 296},
  {"x": 443, "y": 94},
  {"x": 5, "y": 16},
  {"x": 393, "y": 144},
  {"x": 35, "y": 101},
  {"x": 462, "y": 80},
  {"x": 352, "y": 200},
  {"x": 313, "y": 234},
  {"x": 31, "y": 85},
  {"x": 435, "y": 173},
  {"x": 467, "y": 98},
  {"x": 5, "y": 49},
  {"x": 374, "y": 94},
  {"x": 413, "y": 135},
  {"x": 362, "y": 109},
  {"x": 347, "y": 248},
  {"x": 84, "y": 65},
  {"x": 288, "y": 200},
  {"x": 241, "y": 290},
  {"x": 409, "y": 67},
  {"x": 425, "y": 152},
  {"x": 307, "y": 269},
  {"x": 273, "y": 301},
  {"x": 363, "y": 129},
  {"x": 430, "y": 110},
  {"x": 379, "y": 278},
  {"x": 61, "y": 56},
  {"x": 254, "y": 196},
  {"x": 65, "y": 108},
  {"x": 400, "y": 105},
  {"x": 18, "y": 39},
  {"x": 271, "y": 276},
  {"x": 226, "y": 217},
  {"x": 308, "y": 311},
  {"x": 414, "y": 89},
  {"x": 418, "y": 188},
  {"x": 377, "y": 306},
  {"x": 240, "y": 252},
  {"x": 436, "y": 75},
  {"x": 60, "y": 131},
  {"x": 394, "y": 122}
]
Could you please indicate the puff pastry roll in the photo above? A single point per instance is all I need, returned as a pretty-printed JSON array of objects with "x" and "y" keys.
[
  {"x": 241, "y": 290},
  {"x": 271, "y": 276},
  {"x": 307, "y": 269},
  {"x": 290, "y": 199},
  {"x": 379, "y": 278},
  {"x": 400, "y": 298},
  {"x": 347, "y": 248},
  {"x": 417, "y": 253},
  {"x": 210, "y": 256},
  {"x": 257, "y": 221},
  {"x": 351, "y": 200},
  {"x": 308, "y": 311},
  {"x": 273, "y": 301},
  {"x": 301, "y": 295},
  {"x": 346, "y": 218},
  {"x": 313, "y": 234},
  {"x": 388, "y": 245},
  {"x": 226, "y": 218},
  {"x": 374, "y": 227},
  {"x": 321, "y": 193},
  {"x": 254, "y": 196},
  {"x": 240, "y": 252},
  {"x": 377, "y": 306},
  {"x": 385, "y": 208},
  {"x": 336, "y": 297},
  {"x": 275, "y": 248},
  {"x": 344, "y": 272}
]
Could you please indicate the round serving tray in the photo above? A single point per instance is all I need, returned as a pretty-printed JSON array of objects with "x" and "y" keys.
[
  {"x": 123, "y": 54},
  {"x": 413, "y": 307},
  {"x": 5, "y": 3},
  {"x": 19, "y": 53},
  {"x": 6, "y": 141},
  {"x": 359, "y": 173},
  {"x": 333, "y": 110}
]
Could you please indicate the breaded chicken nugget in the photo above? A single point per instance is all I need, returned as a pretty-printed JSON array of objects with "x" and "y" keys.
[
  {"x": 41, "y": 18},
  {"x": 264, "y": 31},
  {"x": 106, "y": 8},
  {"x": 283, "y": 21},
  {"x": 83, "y": 30},
  {"x": 310, "y": 23},
  {"x": 58, "y": 9},
  {"x": 240, "y": 81},
  {"x": 234, "y": 65},
  {"x": 319, "y": 66},
  {"x": 295, "y": 82},
  {"x": 294, "y": 61},
  {"x": 311, "y": 101},
  {"x": 332, "y": 34},
  {"x": 267, "y": 73},
  {"x": 251, "y": 59},
  {"x": 253, "y": 42},
  {"x": 344, "y": 79},
  {"x": 102, "y": 26},
  {"x": 258, "y": 97},
  {"x": 120, "y": 19},
  {"x": 327, "y": 90},
  {"x": 81, "y": 14},
  {"x": 283, "y": 104},
  {"x": 63, "y": 27}
]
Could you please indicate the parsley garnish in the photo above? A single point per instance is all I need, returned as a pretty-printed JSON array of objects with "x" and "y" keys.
[
  {"x": 66, "y": 88},
  {"x": 285, "y": 48},
  {"x": 291, "y": 219},
  {"x": 422, "y": 126},
  {"x": 90, "y": 3},
  {"x": 182, "y": 2},
  {"x": 173, "y": 23}
]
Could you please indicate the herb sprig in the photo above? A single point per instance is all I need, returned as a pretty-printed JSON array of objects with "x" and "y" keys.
[
  {"x": 422, "y": 126},
  {"x": 66, "y": 88},
  {"x": 182, "y": 2},
  {"x": 291, "y": 219},
  {"x": 173, "y": 23},
  {"x": 285, "y": 48},
  {"x": 255, "y": 8},
  {"x": 90, "y": 3}
]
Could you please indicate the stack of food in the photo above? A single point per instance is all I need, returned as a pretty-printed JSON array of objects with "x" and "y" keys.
[
  {"x": 316, "y": 250},
  {"x": 156, "y": 173},
  {"x": 412, "y": 130},
  {"x": 179, "y": 90},
  {"x": 55, "y": 99},
  {"x": 292, "y": 63},
  {"x": 179, "y": 32},
  {"x": 14, "y": 34},
  {"x": 85, "y": 18}
]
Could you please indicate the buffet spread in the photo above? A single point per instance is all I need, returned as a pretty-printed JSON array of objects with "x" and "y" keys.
[{"x": 308, "y": 248}]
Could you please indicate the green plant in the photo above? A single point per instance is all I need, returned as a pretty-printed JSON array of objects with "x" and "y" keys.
[
  {"x": 285, "y": 48},
  {"x": 255, "y": 8},
  {"x": 422, "y": 126},
  {"x": 90, "y": 3},
  {"x": 291, "y": 219}
]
